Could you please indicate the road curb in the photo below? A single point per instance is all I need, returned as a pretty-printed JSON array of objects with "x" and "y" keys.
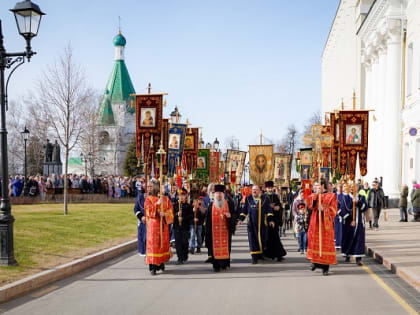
[
  {"x": 26, "y": 285},
  {"x": 406, "y": 275}
]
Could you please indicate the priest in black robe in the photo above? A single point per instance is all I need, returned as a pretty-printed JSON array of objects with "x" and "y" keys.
[
  {"x": 260, "y": 214},
  {"x": 275, "y": 249}
]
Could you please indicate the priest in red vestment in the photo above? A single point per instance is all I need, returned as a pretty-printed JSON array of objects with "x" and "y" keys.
[
  {"x": 157, "y": 219},
  {"x": 220, "y": 225},
  {"x": 321, "y": 247}
]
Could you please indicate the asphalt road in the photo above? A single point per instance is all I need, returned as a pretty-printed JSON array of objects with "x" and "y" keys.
[{"x": 124, "y": 286}]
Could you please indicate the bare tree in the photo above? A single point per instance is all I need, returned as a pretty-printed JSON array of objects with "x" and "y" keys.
[
  {"x": 15, "y": 145},
  {"x": 231, "y": 143},
  {"x": 63, "y": 95},
  {"x": 316, "y": 118},
  {"x": 89, "y": 138}
]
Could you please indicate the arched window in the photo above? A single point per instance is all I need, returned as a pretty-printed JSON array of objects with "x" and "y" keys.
[{"x": 104, "y": 137}]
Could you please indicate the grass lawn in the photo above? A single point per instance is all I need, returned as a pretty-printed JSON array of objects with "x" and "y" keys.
[{"x": 45, "y": 238}]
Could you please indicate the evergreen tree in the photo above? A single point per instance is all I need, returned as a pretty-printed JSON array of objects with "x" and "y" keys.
[{"x": 130, "y": 164}]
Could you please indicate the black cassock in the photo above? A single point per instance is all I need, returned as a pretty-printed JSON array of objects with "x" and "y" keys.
[
  {"x": 274, "y": 247},
  {"x": 219, "y": 263}
]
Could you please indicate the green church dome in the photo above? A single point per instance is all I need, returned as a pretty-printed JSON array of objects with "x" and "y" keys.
[{"x": 119, "y": 40}]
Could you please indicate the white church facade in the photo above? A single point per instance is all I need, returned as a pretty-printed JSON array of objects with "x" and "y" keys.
[
  {"x": 116, "y": 127},
  {"x": 374, "y": 49}
]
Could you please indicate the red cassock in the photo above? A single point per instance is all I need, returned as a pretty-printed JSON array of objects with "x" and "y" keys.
[
  {"x": 157, "y": 251},
  {"x": 326, "y": 255}
]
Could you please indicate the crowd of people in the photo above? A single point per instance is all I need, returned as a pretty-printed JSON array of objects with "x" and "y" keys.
[
  {"x": 112, "y": 186},
  {"x": 331, "y": 218}
]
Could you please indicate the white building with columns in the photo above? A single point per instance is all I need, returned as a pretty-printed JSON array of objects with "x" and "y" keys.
[{"x": 374, "y": 49}]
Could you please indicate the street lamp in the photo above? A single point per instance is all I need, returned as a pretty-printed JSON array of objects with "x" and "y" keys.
[
  {"x": 175, "y": 115},
  {"x": 90, "y": 158},
  {"x": 28, "y": 17},
  {"x": 84, "y": 160},
  {"x": 25, "y": 135},
  {"x": 216, "y": 145},
  {"x": 208, "y": 145}
]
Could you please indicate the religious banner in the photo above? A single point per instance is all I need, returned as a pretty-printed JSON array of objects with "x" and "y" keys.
[
  {"x": 203, "y": 165},
  {"x": 306, "y": 156},
  {"x": 214, "y": 166},
  {"x": 261, "y": 163},
  {"x": 326, "y": 146},
  {"x": 335, "y": 132},
  {"x": 148, "y": 127},
  {"x": 354, "y": 127},
  {"x": 307, "y": 188},
  {"x": 191, "y": 149},
  {"x": 235, "y": 161},
  {"x": 325, "y": 173},
  {"x": 176, "y": 140},
  {"x": 282, "y": 169}
]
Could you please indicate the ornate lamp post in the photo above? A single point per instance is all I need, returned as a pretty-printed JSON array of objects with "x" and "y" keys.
[
  {"x": 216, "y": 145},
  {"x": 28, "y": 17},
  {"x": 25, "y": 135}
]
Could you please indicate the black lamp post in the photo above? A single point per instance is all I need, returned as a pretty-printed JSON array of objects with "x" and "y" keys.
[
  {"x": 90, "y": 158},
  {"x": 25, "y": 135},
  {"x": 84, "y": 160},
  {"x": 28, "y": 17}
]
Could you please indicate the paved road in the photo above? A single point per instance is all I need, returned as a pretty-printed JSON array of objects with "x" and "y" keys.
[{"x": 124, "y": 286}]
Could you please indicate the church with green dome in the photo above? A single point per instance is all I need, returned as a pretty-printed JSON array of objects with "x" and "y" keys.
[{"x": 116, "y": 124}]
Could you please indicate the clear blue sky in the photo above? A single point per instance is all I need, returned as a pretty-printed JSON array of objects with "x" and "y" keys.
[{"x": 233, "y": 67}]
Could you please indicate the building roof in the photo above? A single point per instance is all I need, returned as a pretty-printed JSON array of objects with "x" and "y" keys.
[
  {"x": 119, "y": 40},
  {"x": 118, "y": 88},
  {"x": 119, "y": 84},
  {"x": 74, "y": 161},
  {"x": 106, "y": 115}
]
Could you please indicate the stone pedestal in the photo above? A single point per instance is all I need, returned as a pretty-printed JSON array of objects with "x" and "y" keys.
[{"x": 53, "y": 168}]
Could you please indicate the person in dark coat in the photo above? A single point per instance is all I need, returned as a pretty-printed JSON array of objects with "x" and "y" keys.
[
  {"x": 141, "y": 220},
  {"x": 275, "y": 249},
  {"x": 403, "y": 204},
  {"x": 376, "y": 202},
  {"x": 353, "y": 240},
  {"x": 258, "y": 209},
  {"x": 183, "y": 218}
]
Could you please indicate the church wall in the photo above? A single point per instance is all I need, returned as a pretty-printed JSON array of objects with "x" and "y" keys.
[{"x": 339, "y": 69}]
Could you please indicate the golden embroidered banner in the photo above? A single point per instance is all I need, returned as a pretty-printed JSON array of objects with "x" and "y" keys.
[
  {"x": 354, "y": 129},
  {"x": 282, "y": 169},
  {"x": 235, "y": 162},
  {"x": 261, "y": 163}
]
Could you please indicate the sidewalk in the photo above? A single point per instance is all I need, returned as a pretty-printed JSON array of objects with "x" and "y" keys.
[{"x": 397, "y": 246}]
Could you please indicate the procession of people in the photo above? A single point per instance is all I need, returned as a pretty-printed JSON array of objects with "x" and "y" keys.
[{"x": 327, "y": 223}]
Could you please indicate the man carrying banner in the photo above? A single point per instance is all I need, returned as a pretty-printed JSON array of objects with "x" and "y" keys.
[
  {"x": 184, "y": 217},
  {"x": 275, "y": 249},
  {"x": 159, "y": 215},
  {"x": 321, "y": 248},
  {"x": 258, "y": 209},
  {"x": 220, "y": 225}
]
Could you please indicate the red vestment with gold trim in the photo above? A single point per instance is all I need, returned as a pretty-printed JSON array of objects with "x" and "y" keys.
[
  {"x": 327, "y": 256},
  {"x": 155, "y": 254},
  {"x": 220, "y": 231}
]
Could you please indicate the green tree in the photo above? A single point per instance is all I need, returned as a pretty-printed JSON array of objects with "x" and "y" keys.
[{"x": 130, "y": 164}]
